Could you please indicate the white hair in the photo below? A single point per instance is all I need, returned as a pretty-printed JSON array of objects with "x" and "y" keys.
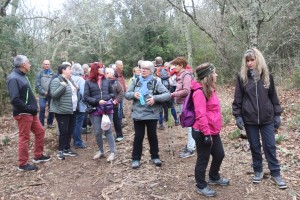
[
  {"x": 77, "y": 69},
  {"x": 19, "y": 60},
  {"x": 110, "y": 70}
]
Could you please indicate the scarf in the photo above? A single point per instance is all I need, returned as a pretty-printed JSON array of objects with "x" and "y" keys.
[
  {"x": 144, "y": 81},
  {"x": 47, "y": 71}
]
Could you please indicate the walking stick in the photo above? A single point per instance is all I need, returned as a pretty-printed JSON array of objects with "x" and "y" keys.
[{"x": 170, "y": 134}]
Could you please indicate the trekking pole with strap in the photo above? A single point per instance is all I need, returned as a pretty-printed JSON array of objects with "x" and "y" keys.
[{"x": 170, "y": 134}]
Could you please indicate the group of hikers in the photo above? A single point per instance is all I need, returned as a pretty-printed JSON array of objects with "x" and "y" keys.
[{"x": 77, "y": 95}]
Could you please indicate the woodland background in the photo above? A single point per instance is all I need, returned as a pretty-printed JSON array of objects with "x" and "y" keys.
[{"x": 218, "y": 31}]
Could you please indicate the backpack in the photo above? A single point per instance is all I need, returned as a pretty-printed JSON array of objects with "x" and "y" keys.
[
  {"x": 163, "y": 74},
  {"x": 187, "y": 116},
  {"x": 154, "y": 85}
]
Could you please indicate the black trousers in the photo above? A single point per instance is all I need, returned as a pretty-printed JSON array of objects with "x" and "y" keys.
[
  {"x": 117, "y": 122},
  {"x": 139, "y": 128},
  {"x": 65, "y": 125},
  {"x": 203, "y": 153}
]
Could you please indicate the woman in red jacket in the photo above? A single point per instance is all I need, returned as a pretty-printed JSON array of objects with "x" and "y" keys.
[{"x": 206, "y": 129}]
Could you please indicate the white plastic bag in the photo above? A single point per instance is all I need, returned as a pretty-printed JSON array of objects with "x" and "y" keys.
[{"x": 105, "y": 123}]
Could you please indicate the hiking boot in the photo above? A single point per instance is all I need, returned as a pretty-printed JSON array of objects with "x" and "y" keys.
[
  {"x": 187, "y": 153},
  {"x": 60, "y": 155},
  {"x": 221, "y": 181},
  {"x": 279, "y": 182},
  {"x": 177, "y": 122},
  {"x": 208, "y": 192},
  {"x": 119, "y": 139},
  {"x": 111, "y": 157},
  {"x": 161, "y": 127},
  {"x": 258, "y": 177},
  {"x": 135, "y": 164},
  {"x": 156, "y": 162},
  {"x": 98, "y": 155},
  {"x": 41, "y": 159},
  {"x": 69, "y": 152},
  {"x": 28, "y": 168}
]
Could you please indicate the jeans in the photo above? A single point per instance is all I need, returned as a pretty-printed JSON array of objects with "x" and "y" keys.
[
  {"x": 203, "y": 153},
  {"x": 65, "y": 126},
  {"x": 269, "y": 147},
  {"x": 78, "y": 121},
  {"x": 27, "y": 123},
  {"x": 120, "y": 110},
  {"x": 117, "y": 122},
  {"x": 139, "y": 128},
  {"x": 43, "y": 102},
  {"x": 191, "y": 145},
  {"x": 96, "y": 122}
]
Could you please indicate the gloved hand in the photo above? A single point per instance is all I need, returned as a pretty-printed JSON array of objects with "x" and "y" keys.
[
  {"x": 277, "y": 121},
  {"x": 240, "y": 123},
  {"x": 207, "y": 140}
]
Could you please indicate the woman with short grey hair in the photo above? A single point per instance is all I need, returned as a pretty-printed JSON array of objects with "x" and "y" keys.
[{"x": 146, "y": 93}]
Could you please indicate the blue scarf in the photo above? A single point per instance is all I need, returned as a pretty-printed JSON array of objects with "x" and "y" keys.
[
  {"x": 47, "y": 71},
  {"x": 144, "y": 81}
]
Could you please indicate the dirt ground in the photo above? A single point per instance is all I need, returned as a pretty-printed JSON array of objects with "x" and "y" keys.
[{"x": 83, "y": 178}]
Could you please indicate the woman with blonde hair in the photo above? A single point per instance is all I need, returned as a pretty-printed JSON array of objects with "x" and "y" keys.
[
  {"x": 206, "y": 129},
  {"x": 256, "y": 108}
]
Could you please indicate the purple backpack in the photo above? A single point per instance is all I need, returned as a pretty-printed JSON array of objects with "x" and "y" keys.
[{"x": 188, "y": 115}]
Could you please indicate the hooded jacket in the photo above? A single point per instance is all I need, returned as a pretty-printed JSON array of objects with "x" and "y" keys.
[
  {"x": 183, "y": 81},
  {"x": 254, "y": 102},
  {"x": 208, "y": 111}
]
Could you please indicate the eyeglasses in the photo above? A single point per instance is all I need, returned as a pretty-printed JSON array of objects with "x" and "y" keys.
[{"x": 145, "y": 68}]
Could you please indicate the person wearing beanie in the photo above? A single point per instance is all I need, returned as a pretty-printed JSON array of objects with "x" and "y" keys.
[
  {"x": 206, "y": 129},
  {"x": 256, "y": 108},
  {"x": 25, "y": 113},
  {"x": 146, "y": 93}
]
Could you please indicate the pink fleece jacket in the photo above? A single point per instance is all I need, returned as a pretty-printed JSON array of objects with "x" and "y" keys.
[
  {"x": 208, "y": 112},
  {"x": 183, "y": 80}
]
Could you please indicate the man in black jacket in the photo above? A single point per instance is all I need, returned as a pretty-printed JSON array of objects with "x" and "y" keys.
[{"x": 25, "y": 113}]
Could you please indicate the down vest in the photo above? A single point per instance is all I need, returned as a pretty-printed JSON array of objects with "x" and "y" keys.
[{"x": 61, "y": 102}]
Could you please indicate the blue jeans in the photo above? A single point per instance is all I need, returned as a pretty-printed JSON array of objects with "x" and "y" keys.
[
  {"x": 78, "y": 121},
  {"x": 117, "y": 122},
  {"x": 268, "y": 144},
  {"x": 43, "y": 102},
  {"x": 120, "y": 110}
]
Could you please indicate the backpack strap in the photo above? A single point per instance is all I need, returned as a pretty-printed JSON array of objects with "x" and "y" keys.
[
  {"x": 154, "y": 84},
  {"x": 186, "y": 73}
]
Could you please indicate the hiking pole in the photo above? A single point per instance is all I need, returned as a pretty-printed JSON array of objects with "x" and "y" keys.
[{"x": 170, "y": 136}]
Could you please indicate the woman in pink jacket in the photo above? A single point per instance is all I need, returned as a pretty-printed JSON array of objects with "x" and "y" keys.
[{"x": 206, "y": 129}]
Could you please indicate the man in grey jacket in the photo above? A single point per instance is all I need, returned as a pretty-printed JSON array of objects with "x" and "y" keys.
[{"x": 42, "y": 81}]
